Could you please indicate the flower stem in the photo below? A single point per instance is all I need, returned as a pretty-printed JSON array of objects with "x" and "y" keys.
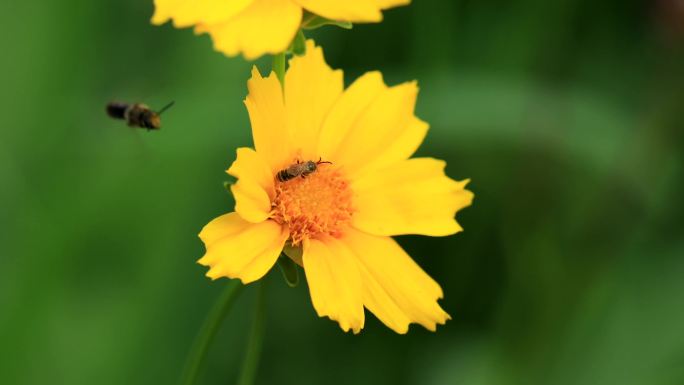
[
  {"x": 256, "y": 337},
  {"x": 279, "y": 66},
  {"x": 208, "y": 331}
]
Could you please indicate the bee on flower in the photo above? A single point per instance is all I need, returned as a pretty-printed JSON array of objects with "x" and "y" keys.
[
  {"x": 341, "y": 216},
  {"x": 257, "y": 27},
  {"x": 299, "y": 169}
]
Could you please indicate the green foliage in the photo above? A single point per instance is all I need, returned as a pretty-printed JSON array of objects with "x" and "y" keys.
[
  {"x": 289, "y": 270},
  {"x": 298, "y": 46},
  {"x": 311, "y": 21},
  {"x": 566, "y": 115}
]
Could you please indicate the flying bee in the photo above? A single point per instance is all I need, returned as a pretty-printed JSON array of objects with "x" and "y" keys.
[
  {"x": 301, "y": 169},
  {"x": 137, "y": 114}
]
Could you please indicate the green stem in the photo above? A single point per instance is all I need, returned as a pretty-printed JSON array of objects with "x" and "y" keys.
[
  {"x": 208, "y": 331},
  {"x": 256, "y": 337},
  {"x": 279, "y": 67}
]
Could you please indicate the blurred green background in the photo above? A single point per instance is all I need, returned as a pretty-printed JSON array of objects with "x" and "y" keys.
[{"x": 567, "y": 115}]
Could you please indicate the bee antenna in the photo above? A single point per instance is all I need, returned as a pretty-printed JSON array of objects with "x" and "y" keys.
[
  {"x": 166, "y": 107},
  {"x": 320, "y": 160}
]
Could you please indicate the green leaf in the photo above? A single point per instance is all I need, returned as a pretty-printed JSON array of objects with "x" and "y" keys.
[
  {"x": 312, "y": 21},
  {"x": 298, "y": 46},
  {"x": 289, "y": 270},
  {"x": 279, "y": 67}
]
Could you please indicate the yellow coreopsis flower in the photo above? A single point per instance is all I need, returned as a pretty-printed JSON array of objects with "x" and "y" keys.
[
  {"x": 343, "y": 213},
  {"x": 257, "y": 27}
]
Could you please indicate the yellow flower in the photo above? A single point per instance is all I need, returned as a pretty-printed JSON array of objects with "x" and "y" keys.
[
  {"x": 343, "y": 214},
  {"x": 257, "y": 27}
]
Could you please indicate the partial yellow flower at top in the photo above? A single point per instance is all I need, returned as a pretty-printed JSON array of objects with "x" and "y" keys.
[
  {"x": 258, "y": 27},
  {"x": 343, "y": 213}
]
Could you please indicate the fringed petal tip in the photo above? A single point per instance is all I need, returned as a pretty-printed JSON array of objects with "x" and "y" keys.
[
  {"x": 239, "y": 249},
  {"x": 464, "y": 198},
  {"x": 360, "y": 271},
  {"x": 334, "y": 283},
  {"x": 347, "y": 328},
  {"x": 158, "y": 20},
  {"x": 440, "y": 320},
  {"x": 256, "y": 76},
  {"x": 388, "y": 205}
]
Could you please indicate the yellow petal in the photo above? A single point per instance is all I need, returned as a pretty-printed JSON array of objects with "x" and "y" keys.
[
  {"x": 264, "y": 27},
  {"x": 254, "y": 189},
  {"x": 344, "y": 113},
  {"x": 396, "y": 289},
  {"x": 311, "y": 88},
  {"x": 384, "y": 4},
  {"x": 240, "y": 249},
  {"x": 410, "y": 197},
  {"x": 267, "y": 115},
  {"x": 347, "y": 10},
  {"x": 251, "y": 201},
  {"x": 250, "y": 165},
  {"x": 384, "y": 132},
  {"x": 399, "y": 148},
  {"x": 165, "y": 10},
  {"x": 189, "y": 12},
  {"x": 334, "y": 282},
  {"x": 226, "y": 225}
]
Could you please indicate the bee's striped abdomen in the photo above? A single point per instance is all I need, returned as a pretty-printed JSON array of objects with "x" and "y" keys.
[
  {"x": 117, "y": 110},
  {"x": 283, "y": 176}
]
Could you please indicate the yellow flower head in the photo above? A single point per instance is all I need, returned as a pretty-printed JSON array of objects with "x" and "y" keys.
[
  {"x": 257, "y": 27},
  {"x": 342, "y": 213}
]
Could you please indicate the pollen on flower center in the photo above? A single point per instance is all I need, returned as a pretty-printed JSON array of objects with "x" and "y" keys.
[{"x": 312, "y": 206}]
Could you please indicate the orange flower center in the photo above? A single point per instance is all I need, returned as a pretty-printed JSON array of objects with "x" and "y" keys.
[{"x": 315, "y": 205}]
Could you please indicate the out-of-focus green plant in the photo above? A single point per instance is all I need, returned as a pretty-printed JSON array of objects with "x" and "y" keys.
[{"x": 568, "y": 114}]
